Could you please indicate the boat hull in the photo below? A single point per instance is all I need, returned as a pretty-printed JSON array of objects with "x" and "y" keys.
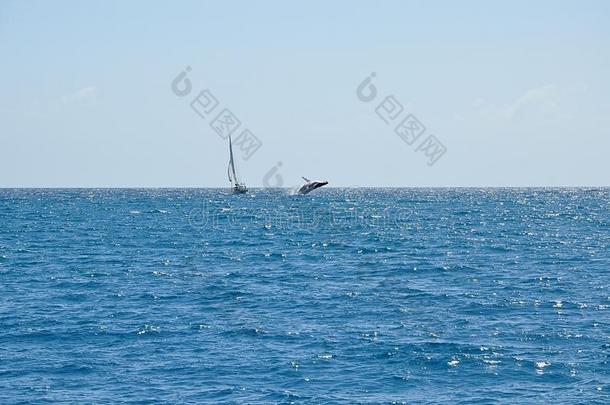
[{"x": 240, "y": 190}]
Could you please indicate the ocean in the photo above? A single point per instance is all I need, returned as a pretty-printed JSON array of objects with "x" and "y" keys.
[{"x": 340, "y": 296}]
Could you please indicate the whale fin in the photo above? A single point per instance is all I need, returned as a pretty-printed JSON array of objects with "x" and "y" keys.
[{"x": 306, "y": 179}]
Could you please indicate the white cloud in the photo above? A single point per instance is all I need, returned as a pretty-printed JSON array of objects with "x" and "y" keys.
[
  {"x": 84, "y": 95},
  {"x": 536, "y": 103},
  {"x": 540, "y": 101}
]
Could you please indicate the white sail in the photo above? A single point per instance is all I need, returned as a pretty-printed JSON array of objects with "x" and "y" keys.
[
  {"x": 231, "y": 168},
  {"x": 237, "y": 185}
]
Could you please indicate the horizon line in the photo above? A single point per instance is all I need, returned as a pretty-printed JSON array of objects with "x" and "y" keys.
[{"x": 287, "y": 188}]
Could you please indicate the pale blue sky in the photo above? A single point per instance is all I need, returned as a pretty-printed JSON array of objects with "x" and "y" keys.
[{"x": 517, "y": 91}]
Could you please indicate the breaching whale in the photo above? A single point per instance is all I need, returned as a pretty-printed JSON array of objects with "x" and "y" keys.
[{"x": 309, "y": 186}]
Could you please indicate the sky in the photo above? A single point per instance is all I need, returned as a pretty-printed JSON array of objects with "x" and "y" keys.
[{"x": 504, "y": 93}]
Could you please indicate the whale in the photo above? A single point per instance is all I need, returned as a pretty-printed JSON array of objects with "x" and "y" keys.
[{"x": 310, "y": 186}]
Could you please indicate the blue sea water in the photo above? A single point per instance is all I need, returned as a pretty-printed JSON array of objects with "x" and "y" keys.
[{"x": 340, "y": 296}]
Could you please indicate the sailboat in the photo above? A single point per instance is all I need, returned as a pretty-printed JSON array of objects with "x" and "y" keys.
[{"x": 236, "y": 186}]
